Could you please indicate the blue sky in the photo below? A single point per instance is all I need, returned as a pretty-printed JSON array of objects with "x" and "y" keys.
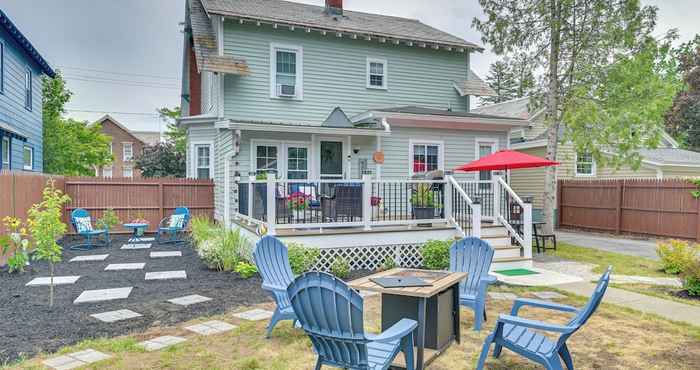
[{"x": 124, "y": 57}]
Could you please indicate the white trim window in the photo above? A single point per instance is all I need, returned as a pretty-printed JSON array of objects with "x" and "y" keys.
[
  {"x": 425, "y": 156},
  {"x": 128, "y": 171},
  {"x": 267, "y": 158},
  {"x": 5, "y": 144},
  {"x": 297, "y": 162},
  {"x": 585, "y": 164},
  {"x": 107, "y": 172},
  {"x": 377, "y": 75},
  {"x": 485, "y": 147},
  {"x": 28, "y": 157},
  {"x": 127, "y": 152},
  {"x": 286, "y": 71},
  {"x": 28, "y": 89},
  {"x": 202, "y": 161}
]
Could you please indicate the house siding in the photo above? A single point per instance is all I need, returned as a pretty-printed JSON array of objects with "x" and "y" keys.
[
  {"x": 334, "y": 74},
  {"x": 675, "y": 171},
  {"x": 12, "y": 110}
]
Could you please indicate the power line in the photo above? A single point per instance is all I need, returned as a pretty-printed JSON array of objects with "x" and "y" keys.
[
  {"x": 106, "y": 112},
  {"x": 121, "y": 73},
  {"x": 106, "y": 79},
  {"x": 124, "y": 83}
]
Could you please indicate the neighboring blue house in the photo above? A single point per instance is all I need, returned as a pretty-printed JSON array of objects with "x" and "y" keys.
[{"x": 21, "y": 124}]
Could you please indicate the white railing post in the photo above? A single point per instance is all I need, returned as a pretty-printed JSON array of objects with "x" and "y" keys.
[
  {"x": 271, "y": 204},
  {"x": 496, "y": 198},
  {"x": 448, "y": 198},
  {"x": 367, "y": 201},
  {"x": 527, "y": 227},
  {"x": 251, "y": 196},
  {"x": 476, "y": 218}
]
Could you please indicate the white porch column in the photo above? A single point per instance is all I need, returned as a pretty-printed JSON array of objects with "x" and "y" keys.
[
  {"x": 476, "y": 218},
  {"x": 527, "y": 227},
  {"x": 367, "y": 201},
  {"x": 448, "y": 198},
  {"x": 348, "y": 158},
  {"x": 271, "y": 203},
  {"x": 496, "y": 198}
]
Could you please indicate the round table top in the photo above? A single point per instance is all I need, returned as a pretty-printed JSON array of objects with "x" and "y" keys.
[{"x": 130, "y": 225}]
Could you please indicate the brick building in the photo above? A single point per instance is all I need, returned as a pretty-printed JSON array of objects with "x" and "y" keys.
[{"x": 126, "y": 145}]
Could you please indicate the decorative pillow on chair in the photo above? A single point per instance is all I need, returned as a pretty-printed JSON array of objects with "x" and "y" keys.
[
  {"x": 177, "y": 221},
  {"x": 83, "y": 224}
]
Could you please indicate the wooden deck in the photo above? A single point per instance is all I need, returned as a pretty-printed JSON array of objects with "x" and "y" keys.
[{"x": 349, "y": 230}]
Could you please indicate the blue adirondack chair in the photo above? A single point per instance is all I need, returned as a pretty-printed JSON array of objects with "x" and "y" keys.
[
  {"x": 473, "y": 256},
  {"x": 82, "y": 224},
  {"x": 330, "y": 313},
  {"x": 519, "y": 335},
  {"x": 173, "y": 227},
  {"x": 272, "y": 260}
]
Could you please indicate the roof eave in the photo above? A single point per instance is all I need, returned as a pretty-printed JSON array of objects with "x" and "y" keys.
[{"x": 26, "y": 44}]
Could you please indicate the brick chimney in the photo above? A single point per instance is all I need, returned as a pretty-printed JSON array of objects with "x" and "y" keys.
[{"x": 334, "y": 7}]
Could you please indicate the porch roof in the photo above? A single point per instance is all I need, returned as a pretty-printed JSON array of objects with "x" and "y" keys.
[{"x": 368, "y": 130}]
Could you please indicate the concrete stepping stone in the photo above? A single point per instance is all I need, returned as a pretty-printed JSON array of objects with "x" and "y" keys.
[
  {"x": 76, "y": 359},
  {"x": 549, "y": 295},
  {"x": 254, "y": 315},
  {"x": 57, "y": 280},
  {"x": 90, "y": 258},
  {"x": 503, "y": 296},
  {"x": 166, "y": 275},
  {"x": 211, "y": 327},
  {"x": 125, "y": 266},
  {"x": 166, "y": 254},
  {"x": 114, "y": 316},
  {"x": 136, "y": 246},
  {"x": 161, "y": 342},
  {"x": 100, "y": 295},
  {"x": 189, "y": 300},
  {"x": 139, "y": 240}
]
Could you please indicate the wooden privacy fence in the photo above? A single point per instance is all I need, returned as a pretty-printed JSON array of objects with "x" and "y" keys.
[
  {"x": 664, "y": 208},
  {"x": 149, "y": 199}
]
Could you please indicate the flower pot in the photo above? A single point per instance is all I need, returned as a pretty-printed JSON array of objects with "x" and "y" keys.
[{"x": 424, "y": 213}]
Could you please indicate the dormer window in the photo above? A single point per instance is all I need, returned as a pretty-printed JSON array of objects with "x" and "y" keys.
[
  {"x": 376, "y": 73},
  {"x": 286, "y": 67}
]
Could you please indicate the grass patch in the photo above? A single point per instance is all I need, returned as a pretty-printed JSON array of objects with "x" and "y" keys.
[
  {"x": 114, "y": 345},
  {"x": 658, "y": 291},
  {"x": 622, "y": 264}
]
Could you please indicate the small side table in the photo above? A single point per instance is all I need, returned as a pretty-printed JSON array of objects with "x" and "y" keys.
[{"x": 137, "y": 231}]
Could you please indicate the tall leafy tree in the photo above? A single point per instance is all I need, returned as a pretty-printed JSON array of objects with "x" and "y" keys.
[
  {"x": 683, "y": 120},
  {"x": 161, "y": 160},
  {"x": 569, "y": 40},
  {"x": 174, "y": 134},
  {"x": 71, "y": 147}
]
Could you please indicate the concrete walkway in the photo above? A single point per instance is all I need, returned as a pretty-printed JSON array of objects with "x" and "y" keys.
[
  {"x": 634, "y": 247},
  {"x": 668, "y": 309}
]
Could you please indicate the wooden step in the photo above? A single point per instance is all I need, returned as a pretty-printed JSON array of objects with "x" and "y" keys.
[
  {"x": 507, "y": 251},
  {"x": 510, "y": 263}
]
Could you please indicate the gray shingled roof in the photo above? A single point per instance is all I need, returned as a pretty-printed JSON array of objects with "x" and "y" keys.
[
  {"x": 354, "y": 22},
  {"x": 512, "y": 108},
  {"x": 410, "y": 109},
  {"x": 205, "y": 46},
  {"x": 671, "y": 156},
  {"x": 475, "y": 86}
]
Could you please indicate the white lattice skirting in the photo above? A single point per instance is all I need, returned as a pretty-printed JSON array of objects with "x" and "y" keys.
[{"x": 371, "y": 257}]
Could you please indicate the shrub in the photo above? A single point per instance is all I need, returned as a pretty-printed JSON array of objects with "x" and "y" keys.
[
  {"x": 302, "y": 258},
  {"x": 340, "y": 267},
  {"x": 202, "y": 229},
  {"x": 246, "y": 270},
  {"x": 15, "y": 245},
  {"x": 436, "y": 254},
  {"x": 676, "y": 255},
  {"x": 221, "y": 249},
  {"x": 389, "y": 263},
  {"x": 109, "y": 220},
  {"x": 691, "y": 278}
]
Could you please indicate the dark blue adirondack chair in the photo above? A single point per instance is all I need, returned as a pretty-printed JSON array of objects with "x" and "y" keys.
[
  {"x": 82, "y": 224},
  {"x": 519, "y": 335},
  {"x": 173, "y": 227},
  {"x": 272, "y": 260},
  {"x": 473, "y": 256},
  {"x": 330, "y": 312}
]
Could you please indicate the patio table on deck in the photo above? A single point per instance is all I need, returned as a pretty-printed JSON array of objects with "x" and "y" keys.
[{"x": 434, "y": 307}]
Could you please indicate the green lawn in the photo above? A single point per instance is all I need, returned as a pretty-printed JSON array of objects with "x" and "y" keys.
[
  {"x": 622, "y": 264},
  {"x": 664, "y": 292}
]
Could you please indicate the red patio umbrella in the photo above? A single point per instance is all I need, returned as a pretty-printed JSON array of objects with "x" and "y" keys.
[{"x": 506, "y": 160}]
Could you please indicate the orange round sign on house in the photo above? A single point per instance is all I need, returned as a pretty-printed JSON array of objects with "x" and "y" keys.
[{"x": 378, "y": 157}]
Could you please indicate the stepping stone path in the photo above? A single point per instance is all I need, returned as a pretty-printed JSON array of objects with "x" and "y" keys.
[
  {"x": 90, "y": 258},
  {"x": 103, "y": 295},
  {"x": 549, "y": 295},
  {"x": 136, "y": 246},
  {"x": 189, "y": 300},
  {"x": 125, "y": 266},
  {"x": 254, "y": 315},
  {"x": 114, "y": 316},
  {"x": 57, "y": 280},
  {"x": 76, "y": 359},
  {"x": 138, "y": 240},
  {"x": 502, "y": 296},
  {"x": 161, "y": 342},
  {"x": 166, "y": 275},
  {"x": 211, "y": 327},
  {"x": 166, "y": 254}
]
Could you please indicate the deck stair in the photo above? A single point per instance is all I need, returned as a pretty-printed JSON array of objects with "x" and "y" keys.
[{"x": 507, "y": 255}]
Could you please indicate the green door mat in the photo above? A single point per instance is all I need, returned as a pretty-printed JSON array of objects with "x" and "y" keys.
[{"x": 517, "y": 272}]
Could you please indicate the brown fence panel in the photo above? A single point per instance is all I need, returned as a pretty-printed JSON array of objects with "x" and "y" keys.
[
  {"x": 662, "y": 208},
  {"x": 20, "y": 190}
]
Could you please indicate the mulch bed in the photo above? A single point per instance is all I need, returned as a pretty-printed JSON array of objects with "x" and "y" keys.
[
  {"x": 685, "y": 295},
  {"x": 28, "y": 326}
]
